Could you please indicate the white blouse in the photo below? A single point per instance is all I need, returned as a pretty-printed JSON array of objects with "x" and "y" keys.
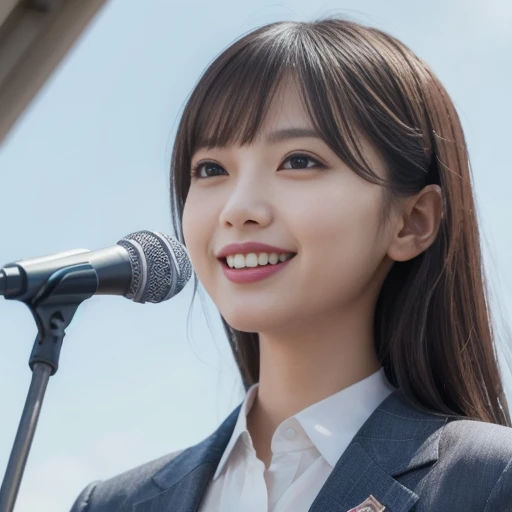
[{"x": 305, "y": 448}]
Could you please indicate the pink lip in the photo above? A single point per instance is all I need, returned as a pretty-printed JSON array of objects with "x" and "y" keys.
[
  {"x": 248, "y": 247},
  {"x": 251, "y": 274}
]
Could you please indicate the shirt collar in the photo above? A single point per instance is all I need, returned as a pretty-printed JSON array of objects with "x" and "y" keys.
[
  {"x": 330, "y": 423},
  {"x": 240, "y": 427}
]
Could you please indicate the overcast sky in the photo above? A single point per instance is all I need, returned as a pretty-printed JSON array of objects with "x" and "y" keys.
[{"x": 88, "y": 164}]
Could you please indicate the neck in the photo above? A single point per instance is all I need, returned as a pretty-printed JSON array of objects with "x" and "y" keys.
[{"x": 301, "y": 367}]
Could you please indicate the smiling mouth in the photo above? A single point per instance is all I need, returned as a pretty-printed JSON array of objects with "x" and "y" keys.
[{"x": 255, "y": 260}]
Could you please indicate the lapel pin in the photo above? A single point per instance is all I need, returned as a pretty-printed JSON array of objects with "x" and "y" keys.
[{"x": 369, "y": 505}]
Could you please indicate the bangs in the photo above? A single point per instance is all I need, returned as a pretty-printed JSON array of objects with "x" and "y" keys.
[
  {"x": 232, "y": 98},
  {"x": 234, "y": 107}
]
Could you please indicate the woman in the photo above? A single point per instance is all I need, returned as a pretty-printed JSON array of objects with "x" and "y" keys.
[{"x": 321, "y": 183}]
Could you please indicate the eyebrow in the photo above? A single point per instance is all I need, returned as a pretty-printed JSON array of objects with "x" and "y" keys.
[{"x": 278, "y": 136}]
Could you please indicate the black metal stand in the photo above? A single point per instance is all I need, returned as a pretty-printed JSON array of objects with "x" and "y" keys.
[{"x": 53, "y": 309}]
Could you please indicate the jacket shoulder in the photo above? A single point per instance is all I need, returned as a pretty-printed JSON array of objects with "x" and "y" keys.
[
  {"x": 128, "y": 487},
  {"x": 477, "y": 442},
  {"x": 474, "y": 467}
]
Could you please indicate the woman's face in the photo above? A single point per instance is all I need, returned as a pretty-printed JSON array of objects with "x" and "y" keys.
[{"x": 294, "y": 194}]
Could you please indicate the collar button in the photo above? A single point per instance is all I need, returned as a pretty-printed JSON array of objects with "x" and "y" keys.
[{"x": 290, "y": 433}]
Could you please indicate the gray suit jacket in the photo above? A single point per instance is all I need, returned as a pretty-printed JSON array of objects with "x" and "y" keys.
[{"x": 409, "y": 460}]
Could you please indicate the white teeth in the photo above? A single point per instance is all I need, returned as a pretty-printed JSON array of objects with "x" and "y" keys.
[
  {"x": 239, "y": 261},
  {"x": 252, "y": 259},
  {"x": 263, "y": 258}
]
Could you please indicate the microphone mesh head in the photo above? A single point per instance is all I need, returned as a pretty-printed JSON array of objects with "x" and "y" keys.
[{"x": 160, "y": 266}]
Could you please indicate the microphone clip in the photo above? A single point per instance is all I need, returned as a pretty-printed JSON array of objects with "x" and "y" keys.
[{"x": 53, "y": 308}]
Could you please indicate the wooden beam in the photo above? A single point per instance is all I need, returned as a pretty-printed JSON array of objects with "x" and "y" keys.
[
  {"x": 34, "y": 38},
  {"x": 6, "y": 7}
]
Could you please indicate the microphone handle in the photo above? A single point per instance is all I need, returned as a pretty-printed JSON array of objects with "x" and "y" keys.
[{"x": 22, "y": 280}]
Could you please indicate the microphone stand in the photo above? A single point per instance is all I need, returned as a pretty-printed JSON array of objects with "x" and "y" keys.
[{"x": 53, "y": 308}]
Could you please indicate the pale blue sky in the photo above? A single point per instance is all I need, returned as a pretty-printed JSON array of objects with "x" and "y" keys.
[{"x": 88, "y": 164}]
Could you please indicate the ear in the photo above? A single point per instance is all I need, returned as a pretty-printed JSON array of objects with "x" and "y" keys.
[{"x": 417, "y": 224}]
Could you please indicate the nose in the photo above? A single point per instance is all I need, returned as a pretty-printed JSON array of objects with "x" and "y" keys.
[{"x": 248, "y": 203}]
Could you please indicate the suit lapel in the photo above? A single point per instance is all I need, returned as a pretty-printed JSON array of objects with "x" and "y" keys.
[
  {"x": 185, "y": 495},
  {"x": 184, "y": 479},
  {"x": 396, "y": 439},
  {"x": 354, "y": 478}
]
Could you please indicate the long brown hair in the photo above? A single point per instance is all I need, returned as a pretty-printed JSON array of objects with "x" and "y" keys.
[{"x": 432, "y": 325}]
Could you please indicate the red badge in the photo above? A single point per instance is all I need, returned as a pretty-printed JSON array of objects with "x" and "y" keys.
[{"x": 369, "y": 505}]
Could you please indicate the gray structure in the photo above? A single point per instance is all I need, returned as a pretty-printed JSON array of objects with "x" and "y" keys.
[{"x": 34, "y": 37}]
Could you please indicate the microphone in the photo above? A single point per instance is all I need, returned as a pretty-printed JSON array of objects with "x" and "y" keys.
[{"x": 145, "y": 266}]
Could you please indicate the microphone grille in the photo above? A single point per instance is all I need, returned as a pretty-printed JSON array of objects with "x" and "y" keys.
[{"x": 160, "y": 266}]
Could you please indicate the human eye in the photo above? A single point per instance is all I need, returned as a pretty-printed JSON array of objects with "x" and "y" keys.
[
  {"x": 300, "y": 161},
  {"x": 207, "y": 169}
]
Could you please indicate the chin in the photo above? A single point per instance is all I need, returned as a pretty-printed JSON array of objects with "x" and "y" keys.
[
  {"x": 246, "y": 323},
  {"x": 255, "y": 319}
]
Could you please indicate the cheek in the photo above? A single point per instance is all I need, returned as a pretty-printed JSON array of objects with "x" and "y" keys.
[
  {"x": 196, "y": 230},
  {"x": 340, "y": 238},
  {"x": 339, "y": 215}
]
